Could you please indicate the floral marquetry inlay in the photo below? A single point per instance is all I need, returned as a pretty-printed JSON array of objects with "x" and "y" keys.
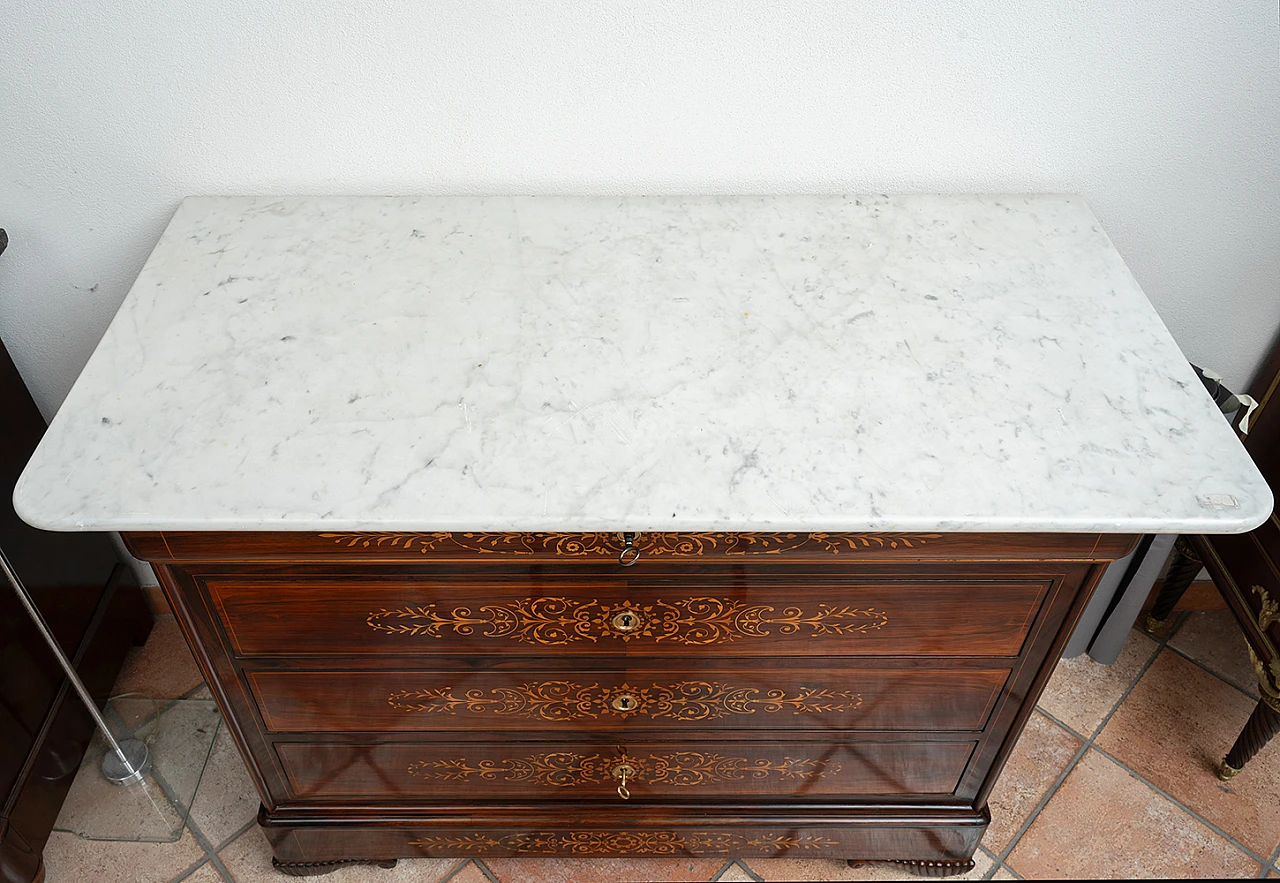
[
  {"x": 568, "y": 701},
  {"x": 678, "y": 769},
  {"x": 620, "y": 843},
  {"x": 609, "y": 545},
  {"x": 693, "y": 621}
]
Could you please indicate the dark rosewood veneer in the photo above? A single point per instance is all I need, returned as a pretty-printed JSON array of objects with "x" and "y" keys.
[{"x": 506, "y": 694}]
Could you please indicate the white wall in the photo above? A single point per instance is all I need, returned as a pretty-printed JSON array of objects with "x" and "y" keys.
[{"x": 1164, "y": 114}]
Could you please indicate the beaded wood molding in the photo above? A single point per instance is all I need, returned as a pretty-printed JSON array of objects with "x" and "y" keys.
[{"x": 620, "y": 843}]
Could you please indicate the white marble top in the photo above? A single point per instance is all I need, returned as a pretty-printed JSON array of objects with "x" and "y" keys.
[{"x": 676, "y": 363}]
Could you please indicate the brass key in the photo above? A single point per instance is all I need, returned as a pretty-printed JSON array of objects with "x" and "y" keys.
[{"x": 624, "y": 771}]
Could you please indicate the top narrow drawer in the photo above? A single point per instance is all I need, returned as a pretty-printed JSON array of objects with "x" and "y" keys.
[{"x": 398, "y": 614}]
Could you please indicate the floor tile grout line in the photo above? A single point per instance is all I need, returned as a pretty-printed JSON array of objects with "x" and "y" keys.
[
  {"x": 484, "y": 869},
  {"x": 236, "y": 836},
  {"x": 183, "y": 875},
  {"x": 207, "y": 846},
  {"x": 1178, "y": 803},
  {"x": 1216, "y": 674},
  {"x": 222, "y": 868},
  {"x": 995, "y": 862},
  {"x": 452, "y": 871},
  {"x": 198, "y": 835},
  {"x": 1087, "y": 743},
  {"x": 1090, "y": 743},
  {"x": 190, "y": 695},
  {"x": 1270, "y": 867},
  {"x": 1160, "y": 646},
  {"x": 1066, "y": 726},
  {"x": 1035, "y": 812},
  {"x": 720, "y": 873}
]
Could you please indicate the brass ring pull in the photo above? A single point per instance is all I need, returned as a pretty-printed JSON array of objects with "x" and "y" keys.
[
  {"x": 630, "y": 552},
  {"x": 624, "y": 771}
]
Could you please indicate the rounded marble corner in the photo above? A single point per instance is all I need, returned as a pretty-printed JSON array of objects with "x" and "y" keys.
[
  {"x": 33, "y": 516},
  {"x": 1222, "y": 513},
  {"x": 1251, "y": 517}
]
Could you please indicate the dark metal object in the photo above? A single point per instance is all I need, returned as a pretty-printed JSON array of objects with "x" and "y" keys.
[
  {"x": 630, "y": 553},
  {"x": 129, "y": 761},
  {"x": 94, "y": 607}
]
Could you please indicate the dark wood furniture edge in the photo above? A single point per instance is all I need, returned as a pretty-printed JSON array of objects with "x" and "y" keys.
[
  {"x": 263, "y": 546},
  {"x": 1073, "y": 614},
  {"x": 216, "y": 679},
  {"x": 871, "y": 833},
  {"x": 1233, "y": 595},
  {"x": 19, "y": 860}
]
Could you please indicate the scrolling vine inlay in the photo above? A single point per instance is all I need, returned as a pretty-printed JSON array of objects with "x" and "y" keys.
[
  {"x": 678, "y": 769},
  {"x": 567, "y": 701},
  {"x": 602, "y": 545},
  {"x": 695, "y": 621},
  {"x": 620, "y": 843}
]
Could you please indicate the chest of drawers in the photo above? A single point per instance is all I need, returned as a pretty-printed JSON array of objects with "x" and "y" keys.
[
  {"x": 515, "y": 694},
  {"x": 899, "y": 436}
]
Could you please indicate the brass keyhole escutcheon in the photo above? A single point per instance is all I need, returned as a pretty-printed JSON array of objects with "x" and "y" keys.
[
  {"x": 624, "y": 771},
  {"x": 625, "y": 702},
  {"x": 626, "y": 621}
]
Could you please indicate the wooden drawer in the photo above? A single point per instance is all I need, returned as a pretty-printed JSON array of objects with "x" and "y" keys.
[
  {"x": 556, "y": 771},
  {"x": 537, "y": 613},
  {"x": 764, "y": 696}
]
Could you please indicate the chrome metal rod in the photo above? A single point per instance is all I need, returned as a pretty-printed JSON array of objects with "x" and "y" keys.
[{"x": 67, "y": 667}]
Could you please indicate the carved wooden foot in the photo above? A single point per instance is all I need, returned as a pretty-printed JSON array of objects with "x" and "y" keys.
[
  {"x": 930, "y": 867},
  {"x": 1262, "y": 725},
  {"x": 315, "y": 869}
]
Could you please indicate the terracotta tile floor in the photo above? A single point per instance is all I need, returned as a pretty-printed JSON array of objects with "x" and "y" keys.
[{"x": 1113, "y": 778}]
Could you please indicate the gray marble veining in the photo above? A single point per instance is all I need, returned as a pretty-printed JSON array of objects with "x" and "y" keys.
[{"x": 712, "y": 363}]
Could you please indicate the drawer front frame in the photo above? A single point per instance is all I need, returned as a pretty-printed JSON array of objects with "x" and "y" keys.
[
  {"x": 507, "y": 771},
  {"x": 745, "y": 612},
  {"x": 769, "y": 697}
]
